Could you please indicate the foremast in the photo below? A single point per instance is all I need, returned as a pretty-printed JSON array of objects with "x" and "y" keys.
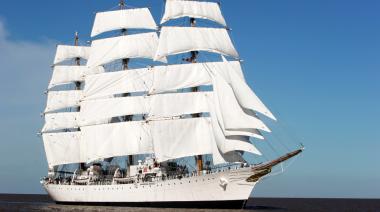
[
  {"x": 63, "y": 101},
  {"x": 78, "y": 86}
]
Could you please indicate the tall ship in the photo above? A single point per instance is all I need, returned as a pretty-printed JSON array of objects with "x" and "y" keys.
[{"x": 158, "y": 116}]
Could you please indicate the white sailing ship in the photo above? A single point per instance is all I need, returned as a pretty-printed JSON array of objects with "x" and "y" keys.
[{"x": 164, "y": 132}]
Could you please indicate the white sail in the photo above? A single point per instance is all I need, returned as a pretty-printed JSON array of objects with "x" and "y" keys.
[
  {"x": 118, "y": 139},
  {"x": 168, "y": 139},
  {"x": 62, "y": 148},
  {"x": 95, "y": 111},
  {"x": 143, "y": 45},
  {"x": 195, "y": 9},
  {"x": 245, "y": 132},
  {"x": 68, "y": 74},
  {"x": 226, "y": 144},
  {"x": 111, "y": 83},
  {"x": 59, "y": 121},
  {"x": 65, "y": 52},
  {"x": 155, "y": 106},
  {"x": 155, "y": 80},
  {"x": 233, "y": 115},
  {"x": 176, "y": 40},
  {"x": 57, "y": 100},
  {"x": 245, "y": 95},
  {"x": 173, "y": 77},
  {"x": 232, "y": 74},
  {"x": 236, "y": 65},
  {"x": 174, "y": 139},
  {"x": 240, "y": 143},
  {"x": 139, "y": 18},
  {"x": 177, "y": 104}
]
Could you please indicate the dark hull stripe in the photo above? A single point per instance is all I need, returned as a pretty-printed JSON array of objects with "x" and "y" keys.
[{"x": 230, "y": 204}]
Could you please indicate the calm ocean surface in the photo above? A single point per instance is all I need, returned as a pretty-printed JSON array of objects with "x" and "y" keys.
[{"x": 14, "y": 202}]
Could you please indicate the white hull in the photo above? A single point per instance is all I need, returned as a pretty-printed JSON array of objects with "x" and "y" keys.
[{"x": 207, "y": 188}]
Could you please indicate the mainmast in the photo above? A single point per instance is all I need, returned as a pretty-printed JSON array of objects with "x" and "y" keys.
[
  {"x": 193, "y": 59},
  {"x": 125, "y": 62}
]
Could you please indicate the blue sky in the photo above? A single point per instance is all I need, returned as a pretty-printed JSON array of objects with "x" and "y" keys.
[{"x": 315, "y": 63}]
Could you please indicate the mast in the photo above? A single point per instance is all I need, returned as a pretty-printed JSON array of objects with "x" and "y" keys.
[
  {"x": 78, "y": 86},
  {"x": 125, "y": 62},
  {"x": 77, "y": 62},
  {"x": 193, "y": 59}
]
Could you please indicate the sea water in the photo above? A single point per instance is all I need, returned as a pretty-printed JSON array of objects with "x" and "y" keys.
[{"x": 16, "y": 202}]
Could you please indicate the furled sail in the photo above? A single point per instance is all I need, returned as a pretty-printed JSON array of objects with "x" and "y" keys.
[
  {"x": 62, "y": 148},
  {"x": 68, "y": 74},
  {"x": 59, "y": 121},
  {"x": 65, "y": 52},
  {"x": 139, "y": 18},
  {"x": 57, "y": 100},
  {"x": 195, "y": 9},
  {"x": 176, "y": 40},
  {"x": 143, "y": 45},
  {"x": 118, "y": 139}
]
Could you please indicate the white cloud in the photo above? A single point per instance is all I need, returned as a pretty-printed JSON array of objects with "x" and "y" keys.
[
  {"x": 24, "y": 75},
  {"x": 25, "y": 67}
]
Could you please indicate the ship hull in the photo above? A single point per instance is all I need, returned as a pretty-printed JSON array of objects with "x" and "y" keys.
[
  {"x": 228, "y": 189},
  {"x": 226, "y": 204}
]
